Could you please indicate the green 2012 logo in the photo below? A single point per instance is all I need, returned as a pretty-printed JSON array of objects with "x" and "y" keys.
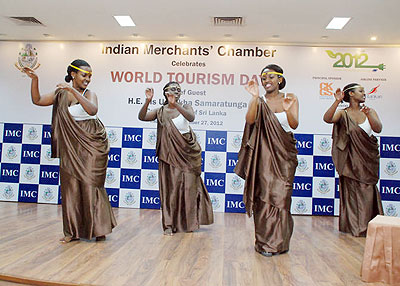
[{"x": 347, "y": 60}]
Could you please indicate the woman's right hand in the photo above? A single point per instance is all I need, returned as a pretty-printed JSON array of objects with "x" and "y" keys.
[
  {"x": 339, "y": 95},
  {"x": 149, "y": 94},
  {"x": 252, "y": 88},
  {"x": 30, "y": 72}
]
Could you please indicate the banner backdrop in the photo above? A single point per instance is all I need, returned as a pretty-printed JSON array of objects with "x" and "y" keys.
[{"x": 212, "y": 76}]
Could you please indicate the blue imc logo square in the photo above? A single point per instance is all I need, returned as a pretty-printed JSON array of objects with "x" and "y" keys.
[
  {"x": 9, "y": 173},
  {"x": 390, "y": 190},
  {"x": 132, "y": 137},
  {"x": 28, "y": 193},
  {"x": 337, "y": 193},
  {"x": 203, "y": 154},
  {"x": 231, "y": 160},
  {"x": 30, "y": 154},
  {"x": 234, "y": 204},
  {"x": 390, "y": 147},
  {"x": 216, "y": 141},
  {"x": 130, "y": 179},
  {"x": 149, "y": 199},
  {"x": 323, "y": 206},
  {"x": 114, "y": 158},
  {"x": 12, "y": 133},
  {"x": 215, "y": 182},
  {"x": 46, "y": 134},
  {"x": 49, "y": 175},
  {"x": 113, "y": 197},
  {"x": 304, "y": 143},
  {"x": 323, "y": 166},
  {"x": 302, "y": 186},
  {"x": 149, "y": 159}
]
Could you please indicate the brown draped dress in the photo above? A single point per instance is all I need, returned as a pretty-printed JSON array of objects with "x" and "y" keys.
[
  {"x": 267, "y": 162},
  {"x": 82, "y": 147},
  {"x": 356, "y": 158},
  {"x": 185, "y": 203}
]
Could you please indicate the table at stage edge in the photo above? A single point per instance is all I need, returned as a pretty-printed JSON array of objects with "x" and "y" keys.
[{"x": 381, "y": 261}]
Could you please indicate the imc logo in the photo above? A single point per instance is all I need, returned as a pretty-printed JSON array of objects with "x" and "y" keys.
[
  {"x": 30, "y": 154},
  {"x": 49, "y": 175},
  {"x": 12, "y": 133},
  {"x": 302, "y": 187},
  {"x": 231, "y": 160},
  {"x": 323, "y": 167},
  {"x": 390, "y": 190},
  {"x": 215, "y": 182},
  {"x": 390, "y": 147},
  {"x": 149, "y": 200},
  {"x": 130, "y": 179},
  {"x": 28, "y": 193},
  {"x": 234, "y": 204},
  {"x": 114, "y": 158},
  {"x": 216, "y": 141},
  {"x": 337, "y": 193},
  {"x": 46, "y": 134},
  {"x": 9, "y": 173},
  {"x": 149, "y": 159},
  {"x": 132, "y": 137},
  {"x": 323, "y": 206},
  {"x": 113, "y": 197},
  {"x": 304, "y": 143}
]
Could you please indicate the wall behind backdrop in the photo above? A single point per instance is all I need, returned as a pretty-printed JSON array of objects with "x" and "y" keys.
[{"x": 212, "y": 76}]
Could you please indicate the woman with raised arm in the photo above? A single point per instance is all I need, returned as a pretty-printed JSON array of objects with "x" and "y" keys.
[
  {"x": 268, "y": 160},
  {"x": 79, "y": 139},
  {"x": 355, "y": 153},
  {"x": 185, "y": 203}
]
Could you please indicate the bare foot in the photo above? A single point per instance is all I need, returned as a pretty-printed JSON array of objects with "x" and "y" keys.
[
  {"x": 67, "y": 239},
  {"x": 169, "y": 232}
]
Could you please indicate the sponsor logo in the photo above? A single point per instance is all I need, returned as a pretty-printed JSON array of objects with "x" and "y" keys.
[
  {"x": 391, "y": 210},
  {"x": 236, "y": 141},
  {"x": 47, "y": 154},
  {"x": 48, "y": 194},
  {"x": 357, "y": 61},
  {"x": 112, "y": 136},
  {"x": 151, "y": 179},
  {"x": 32, "y": 133},
  {"x": 27, "y": 57},
  {"x": 391, "y": 168},
  {"x": 215, "y": 161},
  {"x": 323, "y": 187},
  {"x": 29, "y": 173},
  {"x": 324, "y": 144},
  {"x": 8, "y": 192},
  {"x": 236, "y": 183},
  {"x": 373, "y": 93},
  {"x": 326, "y": 89},
  {"x": 11, "y": 152},
  {"x": 302, "y": 165},
  {"x": 152, "y": 138},
  {"x": 131, "y": 158},
  {"x": 110, "y": 177},
  {"x": 216, "y": 204},
  {"x": 216, "y": 141},
  {"x": 390, "y": 147},
  {"x": 129, "y": 199},
  {"x": 301, "y": 207}
]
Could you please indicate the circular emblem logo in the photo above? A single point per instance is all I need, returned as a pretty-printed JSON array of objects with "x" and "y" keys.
[
  {"x": 215, "y": 161},
  {"x": 236, "y": 183},
  {"x": 391, "y": 168},
  {"x": 8, "y": 192},
  {"x": 27, "y": 57},
  {"x": 110, "y": 177},
  {"x": 324, "y": 144},
  {"x": 112, "y": 136},
  {"x": 131, "y": 158},
  {"x": 323, "y": 187},
  {"x": 32, "y": 133},
  {"x": 215, "y": 202},
  {"x": 302, "y": 165},
  {"x": 129, "y": 198},
  {"x": 301, "y": 207},
  {"x": 236, "y": 141},
  {"x": 391, "y": 210},
  {"x": 151, "y": 179},
  {"x": 29, "y": 173},
  {"x": 152, "y": 138},
  {"x": 48, "y": 194},
  {"x": 11, "y": 152},
  {"x": 47, "y": 154}
]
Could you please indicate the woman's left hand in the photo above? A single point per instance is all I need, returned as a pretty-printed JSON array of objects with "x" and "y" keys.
[
  {"x": 288, "y": 101},
  {"x": 171, "y": 99},
  {"x": 365, "y": 109}
]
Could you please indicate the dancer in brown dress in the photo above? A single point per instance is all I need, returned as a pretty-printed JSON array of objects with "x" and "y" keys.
[
  {"x": 79, "y": 139},
  {"x": 185, "y": 203},
  {"x": 268, "y": 160},
  {"x": 355, "y": 153}
]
